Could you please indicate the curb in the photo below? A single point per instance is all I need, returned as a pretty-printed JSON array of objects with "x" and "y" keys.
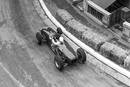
[
  {"x": 98, "y": 60},
  {"x": 93, "y": 39}
]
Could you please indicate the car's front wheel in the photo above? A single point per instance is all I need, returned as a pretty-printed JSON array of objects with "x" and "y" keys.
[{"x": 81, "y": 56}]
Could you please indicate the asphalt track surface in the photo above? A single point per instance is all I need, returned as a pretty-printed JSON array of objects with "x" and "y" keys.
[{"x": 25, "y": 64}]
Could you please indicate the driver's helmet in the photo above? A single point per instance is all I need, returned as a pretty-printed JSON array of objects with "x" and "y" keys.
[{"x": 61, "y": 39}]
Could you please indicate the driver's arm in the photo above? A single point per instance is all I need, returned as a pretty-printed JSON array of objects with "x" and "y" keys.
[{"x": 56, "y": 43}]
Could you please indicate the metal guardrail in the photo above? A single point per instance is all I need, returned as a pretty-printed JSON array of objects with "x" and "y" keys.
[{"x": 89, "y": 50}]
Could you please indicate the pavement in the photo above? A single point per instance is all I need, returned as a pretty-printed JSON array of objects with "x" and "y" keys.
[{"x": 25, "y": 64}]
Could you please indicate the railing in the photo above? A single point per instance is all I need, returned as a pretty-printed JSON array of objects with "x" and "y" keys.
[
  {"x": 89, "y": 50},
  {"x": 108, "y": 18},
  {"x": 95, "y": 13},
  {"x": 98, "y": 12}
]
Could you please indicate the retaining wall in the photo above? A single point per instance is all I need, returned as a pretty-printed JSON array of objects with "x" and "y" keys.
[{"x": 97, "y": 41}]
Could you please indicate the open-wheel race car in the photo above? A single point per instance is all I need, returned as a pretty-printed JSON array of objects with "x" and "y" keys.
[{"x": 64, "y": 53}]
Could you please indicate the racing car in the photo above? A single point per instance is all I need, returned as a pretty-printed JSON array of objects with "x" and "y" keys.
[{"x": 64, "y": 54}]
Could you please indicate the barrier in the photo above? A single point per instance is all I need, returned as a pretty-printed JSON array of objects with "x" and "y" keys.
[{"x": 99, "y": 57}]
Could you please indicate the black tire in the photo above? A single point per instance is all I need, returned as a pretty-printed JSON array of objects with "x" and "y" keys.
[
  {"x": 44, "y": 36},
  {"x": 81, "y": 56},
  {"x": 59, "y": 31},
  {"x": 39, "y": 38},
  {"x": 58, "y": 63}
]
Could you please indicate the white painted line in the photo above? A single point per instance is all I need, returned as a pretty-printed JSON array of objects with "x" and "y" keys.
[
  {"x": 12, "y": 77},
  {"x": 101, "y": 58}
]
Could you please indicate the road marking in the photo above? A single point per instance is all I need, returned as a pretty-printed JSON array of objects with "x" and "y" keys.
[{"x": 13, "y": 78}]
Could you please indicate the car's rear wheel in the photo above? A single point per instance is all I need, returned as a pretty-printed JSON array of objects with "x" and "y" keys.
[
  {"x": 59, "y": 30},
  {"x": 58, "y": 63},
  {"x": 39, "y": 38},
  {"x": 81, "y": 56},
  {"x": 44, "y": 36}
]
